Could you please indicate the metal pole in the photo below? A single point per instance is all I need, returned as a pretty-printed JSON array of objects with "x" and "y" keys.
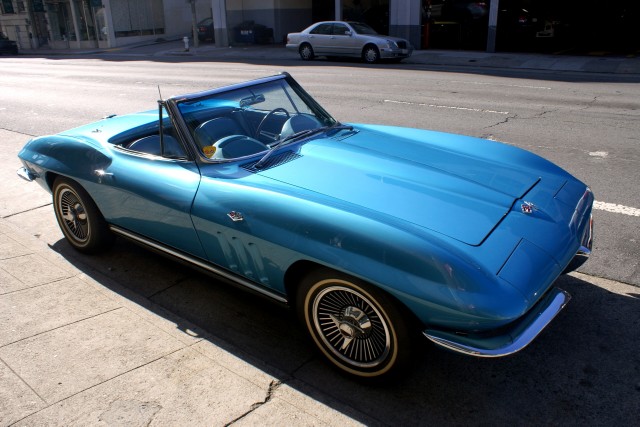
[
  {"x": 493, "y": 24},
  {"x": 194, "y": 24}
]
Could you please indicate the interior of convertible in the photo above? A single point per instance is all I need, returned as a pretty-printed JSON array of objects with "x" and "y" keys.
[{"x": 234, "y": 124}]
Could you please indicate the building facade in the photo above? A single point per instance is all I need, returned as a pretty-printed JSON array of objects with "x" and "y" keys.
[
  {"x": 515, "y": 25},
  {"x": 81, "y": 24}
]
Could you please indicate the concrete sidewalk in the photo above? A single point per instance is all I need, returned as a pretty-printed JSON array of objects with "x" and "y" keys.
[
  {"x": 624, "y": 65},
  {"x": 75, "y": 351}
]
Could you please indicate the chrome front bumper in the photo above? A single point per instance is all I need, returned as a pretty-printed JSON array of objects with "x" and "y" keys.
[
  {"x": 511, "y": 341},
  {"x": 586, "y": 245},
  {"x": 395, "y": 53}
]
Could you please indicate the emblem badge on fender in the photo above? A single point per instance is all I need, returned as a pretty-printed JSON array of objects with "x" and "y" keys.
[
  {"x": 528, "y": 208},
  {"x": 235, "y": 216}
]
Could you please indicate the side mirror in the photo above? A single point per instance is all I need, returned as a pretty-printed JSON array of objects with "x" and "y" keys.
[{"x": 348, "y": 33}]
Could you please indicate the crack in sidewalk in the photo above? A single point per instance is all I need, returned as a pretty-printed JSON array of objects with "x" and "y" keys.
[{"x": 273, "y": 386}]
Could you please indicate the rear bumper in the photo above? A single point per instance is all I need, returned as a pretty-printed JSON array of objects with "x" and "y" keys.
[
  {"x": 25, "y": 174},
  {"x": 509, "y": 341}
]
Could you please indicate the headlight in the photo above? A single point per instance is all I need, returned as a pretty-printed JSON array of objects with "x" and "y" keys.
[{"x": 391, "y": 44}]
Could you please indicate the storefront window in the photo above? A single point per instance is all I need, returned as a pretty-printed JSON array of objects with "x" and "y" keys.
[
  {"x": 372, "y": 12},
  {"x": 456, "y": 24},
  {"x": 61, "y": 20},
  {"x": 137, "y": 17},
  {"x": 7, "y": 6}
]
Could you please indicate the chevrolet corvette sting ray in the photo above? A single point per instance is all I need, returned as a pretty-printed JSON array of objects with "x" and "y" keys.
[{"x": 375, "y": 235}]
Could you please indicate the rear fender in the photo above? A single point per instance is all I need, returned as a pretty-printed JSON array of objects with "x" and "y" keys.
[{"x": 61, "y": 155}]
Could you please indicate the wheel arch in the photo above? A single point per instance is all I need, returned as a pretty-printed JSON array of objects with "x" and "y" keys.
[
  {"x": 310, "y": 46},
  {"x": 370, "y": 44},
  {"x": 298, "y": 270},
  {"x": 50, "y": 177}
]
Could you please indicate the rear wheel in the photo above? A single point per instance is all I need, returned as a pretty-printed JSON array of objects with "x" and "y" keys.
[
  {"x": 357, "y": 327},
  {"x": 306, "y": 52},
  {"x": 79, "y": 218},
  {"x": 370, "y": 54}
]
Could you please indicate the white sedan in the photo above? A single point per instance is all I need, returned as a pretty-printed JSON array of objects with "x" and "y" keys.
[{"x": 339, "y": 38}]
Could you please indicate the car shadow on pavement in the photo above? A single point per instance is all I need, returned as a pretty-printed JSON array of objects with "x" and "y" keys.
[{"x": 584, "y": 368}]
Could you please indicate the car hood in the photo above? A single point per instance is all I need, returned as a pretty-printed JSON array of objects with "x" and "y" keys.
[
  {"x": 382, "y": 37},
  {"x": 457, "y": 186}
]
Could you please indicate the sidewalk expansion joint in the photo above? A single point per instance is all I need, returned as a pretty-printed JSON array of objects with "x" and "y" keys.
[
  {"x": 17, "y": 131},
  {"x": 28, "y": 288},
  {"x": 62, "y": 326},
  {"x": 28, "y": 210},
  {"x": 98, "y": 384},
  {"x": 23, "y": 381}
]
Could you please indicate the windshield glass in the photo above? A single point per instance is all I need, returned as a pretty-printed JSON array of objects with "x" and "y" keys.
[
  {"x": 361, "y": 28},
  {"x": 249, "y": 120}
]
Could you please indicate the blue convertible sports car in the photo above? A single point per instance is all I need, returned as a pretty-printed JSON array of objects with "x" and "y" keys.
[{"x": 373, "y": 234}]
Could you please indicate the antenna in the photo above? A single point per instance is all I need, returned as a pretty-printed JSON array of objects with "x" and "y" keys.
[{"x": 160, "y": 126}]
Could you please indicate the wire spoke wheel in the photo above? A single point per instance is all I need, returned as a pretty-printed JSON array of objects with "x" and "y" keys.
[
  {"x": 79, "y": 218},
  {"x": 74, "y": 215},
  {"x": 360, "y": 329},
  {"x": 351, "y": 326}
]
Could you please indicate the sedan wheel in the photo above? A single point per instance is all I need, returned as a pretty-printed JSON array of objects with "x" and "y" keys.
[
  {"x": 79, "y": 218},
  {"x": 306, "y": 52},
  {"x": 357, "y": 327},
  {"x": 370, "y": 54}
]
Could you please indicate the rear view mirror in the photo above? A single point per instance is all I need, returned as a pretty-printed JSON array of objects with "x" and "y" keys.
[{"x": 251, "y": 100}]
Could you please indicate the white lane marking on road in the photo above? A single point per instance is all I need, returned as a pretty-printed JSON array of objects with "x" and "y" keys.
[
  {"x": 501, "y": 84},
  {"x": 602, "y": 154},
  {"x": 612, "y": 207},
  {"x": 420, "y": 104}
]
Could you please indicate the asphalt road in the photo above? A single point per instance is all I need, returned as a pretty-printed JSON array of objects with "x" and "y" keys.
[{"x": 584, "y": 368}]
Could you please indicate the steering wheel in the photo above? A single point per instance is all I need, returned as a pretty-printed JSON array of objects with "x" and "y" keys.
[{"x": 269, "y": 114}]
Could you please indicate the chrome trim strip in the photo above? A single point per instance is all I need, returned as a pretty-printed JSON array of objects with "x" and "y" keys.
[
  {"x": 586, "y": 243},
  {"x": 518, "y": 343},
  {"x": 25, "y": 174},
  {"x": 199, "y": 263}
]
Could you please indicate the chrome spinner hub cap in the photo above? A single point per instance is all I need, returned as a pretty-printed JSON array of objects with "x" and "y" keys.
[
  {"x": 352, "y": 323},
  {"x": 74, "y": 215},
  {"x": 351, "y": 326}
]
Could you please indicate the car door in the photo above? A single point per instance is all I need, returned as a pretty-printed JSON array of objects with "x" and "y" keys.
[
  {"x": 229, "y": 213},
  {"x": 150, "y": 195},
  {"x": 342, "y": 41},
  {"x": 320, "y": 38}
]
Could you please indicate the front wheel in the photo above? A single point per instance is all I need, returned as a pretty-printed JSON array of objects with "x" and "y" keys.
[
  {"x": 370, "y": 54},
  {"x": 356, "y": 326},
  {"x": 79, "y": 218}
]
